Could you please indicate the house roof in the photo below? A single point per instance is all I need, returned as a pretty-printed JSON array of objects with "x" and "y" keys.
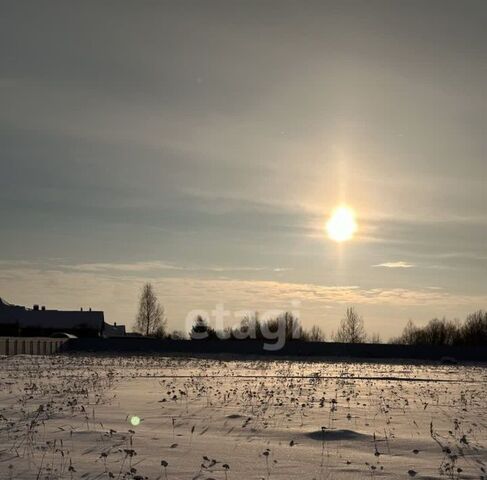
[
  {"x": 4, "y": 305},
  {"x": 50, "y": 319}
]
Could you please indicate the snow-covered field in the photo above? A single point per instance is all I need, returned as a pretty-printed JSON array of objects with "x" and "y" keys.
[{"x": 76, "y": 417}]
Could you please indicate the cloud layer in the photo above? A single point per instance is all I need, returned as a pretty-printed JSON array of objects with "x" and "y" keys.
[
  {"x": 115, "y": 290},
  {"x": 197, "y": 144}
]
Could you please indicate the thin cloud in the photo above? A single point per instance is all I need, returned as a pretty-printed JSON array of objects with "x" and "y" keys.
[
  {"x": 399, "y": 264},
  {"x": 150, "y": 266},
  {"x": 122, "y": 267}
]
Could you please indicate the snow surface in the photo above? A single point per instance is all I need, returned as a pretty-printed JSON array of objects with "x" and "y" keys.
[{"x": 70, "y": 417}]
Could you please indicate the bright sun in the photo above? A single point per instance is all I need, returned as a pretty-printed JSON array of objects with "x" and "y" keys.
[{"x": 342, "y": 225}]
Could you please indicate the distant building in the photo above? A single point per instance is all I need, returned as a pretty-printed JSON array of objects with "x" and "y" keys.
[
  {"x": 114, "y": 330},
  {"x": 20, "y": 321}
]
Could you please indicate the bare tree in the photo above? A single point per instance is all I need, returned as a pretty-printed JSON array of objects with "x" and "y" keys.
[
  {"x": 316, "y": 334},
  {"x": 474, "y": 330},
  {"x": 351, "y": 328},
  {"x": 178, "y": 335},
  {"x": 287, "y": 323},
  {"x": 250, "y": 327},
  {"x": 150, "y": 318},
  {"x": 409, "y": 335},
  {"x": 375, "y": 338},
  {"x": 436, "y": 332}
]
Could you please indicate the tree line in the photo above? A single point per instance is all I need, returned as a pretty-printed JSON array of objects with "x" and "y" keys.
[
  {"x": 252, "y": 327},
  {"x": 471, "y": 332},
  {"x": 151, "y": 321}
]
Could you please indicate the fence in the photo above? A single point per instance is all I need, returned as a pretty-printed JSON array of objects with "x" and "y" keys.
[{"x": 30, "y": 345}]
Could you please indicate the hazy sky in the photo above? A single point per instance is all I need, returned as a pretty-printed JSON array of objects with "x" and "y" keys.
[{"x": 202, "y": 145}]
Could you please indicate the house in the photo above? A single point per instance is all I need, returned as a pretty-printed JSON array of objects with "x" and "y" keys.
[
  {"x": 114, "y": 330},
  {"x": 38, "y": 321}
]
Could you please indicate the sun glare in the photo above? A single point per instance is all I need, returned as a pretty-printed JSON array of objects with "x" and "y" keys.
[{"x": 342, "y": 225}]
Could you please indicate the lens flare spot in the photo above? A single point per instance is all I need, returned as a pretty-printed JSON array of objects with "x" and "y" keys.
[{"x": 135, "y": 420}]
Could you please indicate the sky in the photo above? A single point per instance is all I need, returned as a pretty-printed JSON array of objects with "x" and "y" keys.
[{"x": 201, "y": 146}]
